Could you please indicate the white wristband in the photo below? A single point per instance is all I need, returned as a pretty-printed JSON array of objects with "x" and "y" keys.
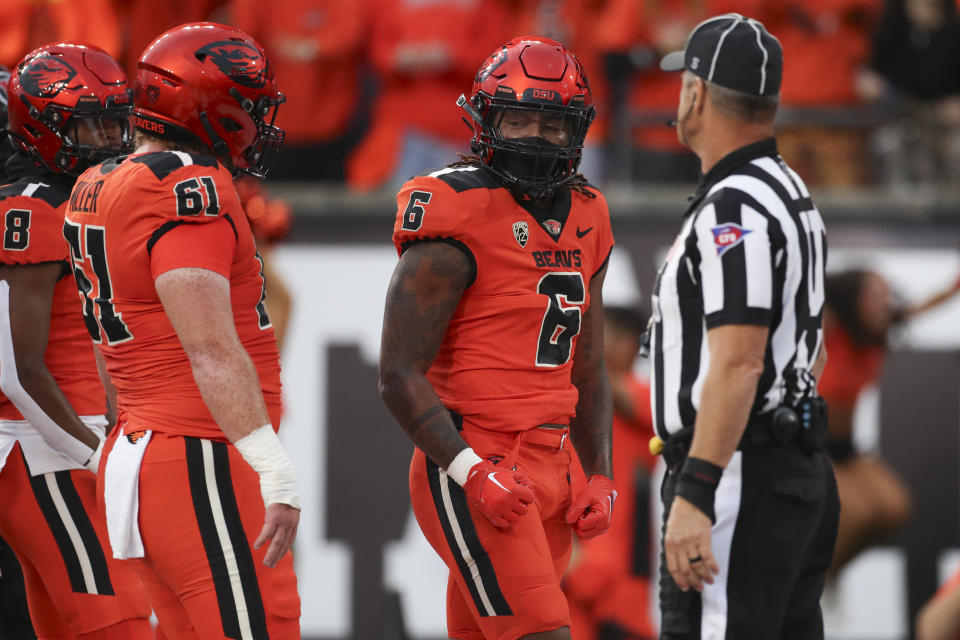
[
  {"x": 262, "y": 450},
  {"x": 460, "y": 466},
  {"x": 93, "y": 464}
]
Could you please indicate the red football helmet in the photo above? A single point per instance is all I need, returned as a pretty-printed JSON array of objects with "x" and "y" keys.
[
  {"x": 211, "y": 83},
  {"x": 69, "y": 107},
  {"x": 530, "y": 77}
]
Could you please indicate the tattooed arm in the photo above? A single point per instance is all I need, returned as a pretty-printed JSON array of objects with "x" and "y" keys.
[
  {"x": 591, "y": 428},
  {"x": 424, "y": 292}
]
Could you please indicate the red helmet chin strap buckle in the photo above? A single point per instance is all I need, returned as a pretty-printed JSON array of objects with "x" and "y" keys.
[{"x": 464, "y": 104}]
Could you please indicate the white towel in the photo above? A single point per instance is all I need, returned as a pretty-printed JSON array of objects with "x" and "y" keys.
[{"x": 122, "y": 495}]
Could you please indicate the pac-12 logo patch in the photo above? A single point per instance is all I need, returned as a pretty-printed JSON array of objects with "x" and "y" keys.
[
  {"x": 521, "y": 232},
  {"x": 728, "y": 236}
]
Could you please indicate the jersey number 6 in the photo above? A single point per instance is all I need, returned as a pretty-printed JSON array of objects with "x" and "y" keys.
[
  {"x": 560, "y": 323},
  {"x": 413, "y": 214},
  {"x": 110, "y": 321}
]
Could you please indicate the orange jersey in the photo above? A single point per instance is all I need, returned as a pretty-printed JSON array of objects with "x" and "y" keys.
[
  {"x": 506, "y": 358},
  {"x": 31, "y": 212},
  {"x": 850, "y": 368},
  {"x": 118, "y": 211}
]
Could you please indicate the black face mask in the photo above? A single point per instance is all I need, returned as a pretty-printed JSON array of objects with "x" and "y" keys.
[{"x": 530, "y": 162}]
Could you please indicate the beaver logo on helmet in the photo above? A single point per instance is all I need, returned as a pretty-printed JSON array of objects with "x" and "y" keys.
[
  {"x": 147, "y": 94},
  {"x": 45, "y": 76},
  {"x": 582, "y": 81},
  {"x": 487, "y": 70},
  {"x": 241, "y": 62}
]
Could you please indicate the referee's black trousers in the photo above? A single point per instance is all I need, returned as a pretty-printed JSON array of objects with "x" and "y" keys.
[{"x": 777, "y": 513}]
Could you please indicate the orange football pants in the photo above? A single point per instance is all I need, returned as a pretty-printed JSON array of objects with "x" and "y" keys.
[
  {"x": 75, "y": 589},
  {"x": 503, "y": 583},
  {"x": 200, "y": 512}
]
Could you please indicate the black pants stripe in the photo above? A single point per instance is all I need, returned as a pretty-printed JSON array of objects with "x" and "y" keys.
[
  {"x": 80, "y": 550},
  {"x": 782, "y": 543},
  {"x": 207, "y": 463},
  {"x": 465, "y": 544}
]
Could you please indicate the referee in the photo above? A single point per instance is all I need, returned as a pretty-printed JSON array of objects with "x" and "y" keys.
[{"x": 750, "y": 500}]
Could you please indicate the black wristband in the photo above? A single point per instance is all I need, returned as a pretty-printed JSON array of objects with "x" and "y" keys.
[{"x": 697, "y": 483}]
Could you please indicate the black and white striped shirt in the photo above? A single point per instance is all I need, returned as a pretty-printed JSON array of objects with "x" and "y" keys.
[{"x": 751, "y": 251}]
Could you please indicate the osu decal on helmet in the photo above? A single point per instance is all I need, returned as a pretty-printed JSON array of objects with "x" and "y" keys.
[
  {"x": 69, "y": 107},
  {"x": 210, "y": 83},
  {"x": 530, "y": 110}
]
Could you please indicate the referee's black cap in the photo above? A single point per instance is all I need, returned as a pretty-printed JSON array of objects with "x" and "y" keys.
[{"x": 732, "y": 51}]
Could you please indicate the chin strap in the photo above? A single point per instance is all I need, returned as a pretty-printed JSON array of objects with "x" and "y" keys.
[{"x": 217, "y": 144}]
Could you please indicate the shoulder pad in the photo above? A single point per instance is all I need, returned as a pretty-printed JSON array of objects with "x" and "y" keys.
[
  {"x": 111, "y": 164},
  {"x": 49, "y": 192},
  {"x": 428, "y": 206},
  {"x": 462, "y": 179},
  {"x": 598, "y": 198},
  {"x": 163, "y": 163},
  {"x": 171, "y": 185}
]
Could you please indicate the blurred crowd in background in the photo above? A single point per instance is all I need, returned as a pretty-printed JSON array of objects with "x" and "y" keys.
[
  {"x": 871, "y": 93},
  {"x": 870, "y": 100}
]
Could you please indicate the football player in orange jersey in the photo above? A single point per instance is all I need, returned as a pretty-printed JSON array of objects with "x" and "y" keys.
[
  {"x": 69, "y": 107},
  {"x": 199, "y": 493},
  {"x": 492, "y": 348}
]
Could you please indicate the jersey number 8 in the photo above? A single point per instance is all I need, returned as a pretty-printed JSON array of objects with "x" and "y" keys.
[{"x": 16, "y": 233}]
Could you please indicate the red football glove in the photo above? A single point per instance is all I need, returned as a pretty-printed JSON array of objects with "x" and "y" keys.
[
  {"x": 500, "y": 494},
  {"x": 589, "y": 515}
]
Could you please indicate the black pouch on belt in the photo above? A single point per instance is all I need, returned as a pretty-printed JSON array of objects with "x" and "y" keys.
[
  {"x": 783, "y": 425},
  {"x": 813, "y": 424},
  {"x": 676, "y": 447}
]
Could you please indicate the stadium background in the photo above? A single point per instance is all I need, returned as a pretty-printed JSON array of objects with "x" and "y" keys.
[{"x": 870, "y": 118}]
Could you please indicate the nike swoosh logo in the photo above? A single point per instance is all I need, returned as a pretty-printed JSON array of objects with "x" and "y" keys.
[
  {"x": 494, "y": 480},
  {"x": 580, "y": 234}
]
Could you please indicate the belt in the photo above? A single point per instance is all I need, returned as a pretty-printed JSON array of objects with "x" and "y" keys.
[
  {"x": 758, "y": 431},
  {"x": 550, "y": 435},
  {"x": 676, "y": 447}
]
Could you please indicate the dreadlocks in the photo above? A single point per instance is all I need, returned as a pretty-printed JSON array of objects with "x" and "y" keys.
[{"x": 577, "y": 183}]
